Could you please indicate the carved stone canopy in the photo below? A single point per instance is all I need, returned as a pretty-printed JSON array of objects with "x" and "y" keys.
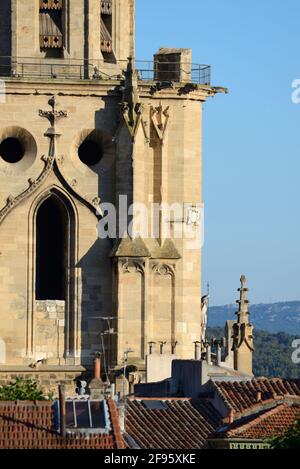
[
  {"x": 137, "y": 248},
  {"x": 128, "y": 247},
  {"x": 166, "y": 251}
]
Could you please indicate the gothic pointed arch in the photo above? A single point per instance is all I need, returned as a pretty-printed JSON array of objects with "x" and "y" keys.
[
  {"x": 57, "y": 191},
  {"x": 52, "y": 257}
]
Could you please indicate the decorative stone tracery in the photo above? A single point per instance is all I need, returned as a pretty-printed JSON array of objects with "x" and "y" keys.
[
  {"x": 133, "y": 266},
  {"x": 161, "y": 268}
]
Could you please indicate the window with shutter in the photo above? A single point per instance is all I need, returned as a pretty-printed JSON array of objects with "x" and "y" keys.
[
  {"x": 51, "y": 29},
  {"x": 106, "y": 28}
]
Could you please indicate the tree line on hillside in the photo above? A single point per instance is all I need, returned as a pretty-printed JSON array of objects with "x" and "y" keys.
[{"x": 272, "y": 354}]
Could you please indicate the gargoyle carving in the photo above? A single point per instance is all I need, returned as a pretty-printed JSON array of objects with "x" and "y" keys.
[
  {"x": 131, "y": 107},
  {"x": 187, "y": 88},
  {"x": 160, "y": 120}
]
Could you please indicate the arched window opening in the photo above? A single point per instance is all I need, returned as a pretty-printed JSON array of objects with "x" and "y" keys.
[{"x": 52, "y": 233}]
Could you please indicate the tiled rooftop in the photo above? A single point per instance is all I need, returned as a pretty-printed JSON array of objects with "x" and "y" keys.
[
  {"x": 31, "y": 425},
  {"x": 243, "y": 395},
  {"x": 171, "y": 424},
  {"x": 272, "y": 423},
  {"x": 261, "y": 408}
]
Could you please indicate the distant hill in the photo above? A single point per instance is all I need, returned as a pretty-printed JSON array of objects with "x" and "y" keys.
[
  {"x": 275, "y": 317},
  {"x": 272, "y": 353}
]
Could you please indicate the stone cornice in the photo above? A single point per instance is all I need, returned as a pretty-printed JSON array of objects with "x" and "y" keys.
[
  {"x": 198, "y": 93},
  {"x": 99, "y": 88},
  {"x": 62, "y": 87}
]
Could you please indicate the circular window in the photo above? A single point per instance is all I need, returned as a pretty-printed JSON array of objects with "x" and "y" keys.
[
  {"x": 90, "y": 152},
  {"x": 18, "y": 150},
  {"x": 11, "y": 150},
  {"x": 93, "y": 150}
]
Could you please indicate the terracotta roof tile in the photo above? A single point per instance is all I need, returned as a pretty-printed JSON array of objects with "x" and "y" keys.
[
  {"x": 32, "y": 426},
  {"x": 241, "y": 396},
  {"x": 180, "y": 424},
  {"x": 268, "y": 424},
  {"x": 119, "y": 441}
]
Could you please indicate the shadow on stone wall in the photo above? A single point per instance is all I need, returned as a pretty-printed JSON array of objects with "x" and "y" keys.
[
  {"x": 96, "y": 303},
  {"x": 5, "y": 37}
]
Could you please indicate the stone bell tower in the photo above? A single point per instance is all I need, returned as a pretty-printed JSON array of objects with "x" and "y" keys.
[
  {"x": 81, "y": 124},
  {"x": 82, "y": 34}
]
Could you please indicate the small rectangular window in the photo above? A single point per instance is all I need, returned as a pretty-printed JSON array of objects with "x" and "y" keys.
[
  {"x": 98, "y": 414},
  {"x": 155, "y": 405},
  {"x": 85, "y": 415},
  {"x": 82, "y": 414},
  {"x": 70, "y": 420}
]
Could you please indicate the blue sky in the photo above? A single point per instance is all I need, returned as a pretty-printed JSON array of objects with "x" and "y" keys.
[{"x": 251, "y": 136}]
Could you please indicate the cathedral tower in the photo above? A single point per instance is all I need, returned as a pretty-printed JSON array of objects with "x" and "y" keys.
[
  {"x": 84, "y": 128},
  {"x": 80, "y": 34}
]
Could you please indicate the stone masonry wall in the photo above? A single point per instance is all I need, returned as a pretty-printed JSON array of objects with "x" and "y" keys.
[
  {"x": 47, "y": 380},
  {"x": 50, "y": 329}
]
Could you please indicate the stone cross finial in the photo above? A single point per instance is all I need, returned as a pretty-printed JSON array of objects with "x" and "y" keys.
[
  {"x": 53, "y": 116},
  {"x": 151, "y": 346},
  {"x": 174, "y": 346},
  {"x": 161, "y": 346}
]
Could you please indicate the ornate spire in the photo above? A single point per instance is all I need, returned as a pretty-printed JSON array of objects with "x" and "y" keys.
[
  {"x": 243, "y": 334},
  {"x": 243, "y": 302},
  {"x": 131, "y": 106}
]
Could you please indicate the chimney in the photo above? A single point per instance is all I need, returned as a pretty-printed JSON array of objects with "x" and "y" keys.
[
  {"x": 219, "y": 354},
  {"x": 96, "y": 385},
  {"x": 231, "y": 416},
  {"x": 197, "y": 350},
  {"x": 62, "y": 410},
  {"x": 113, "y": 390},
  {"x": 97, "y": 368},
  {"x": 151, "y": 347},
  {"x": 208, "y": 355},
  {"x": 258, "y": 396},
  {"x": 162, "y": 344}
]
